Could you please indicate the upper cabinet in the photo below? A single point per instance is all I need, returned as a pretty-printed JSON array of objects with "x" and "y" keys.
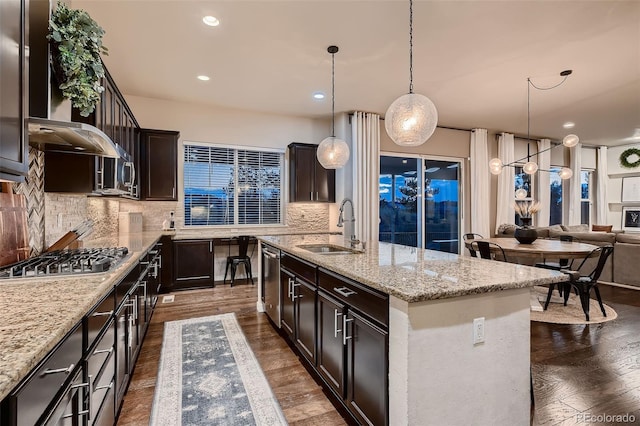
[
  {"x": 159, "y": 165},
  {"x": 308, "y": 180},
  {"x": 14, "y": 158}
]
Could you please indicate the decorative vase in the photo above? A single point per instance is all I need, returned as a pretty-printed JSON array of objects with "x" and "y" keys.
[{"x": 525, "y": 234}]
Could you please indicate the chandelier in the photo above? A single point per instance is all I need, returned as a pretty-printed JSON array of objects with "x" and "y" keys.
[
  {"x": 333, "y": 152},
  {"x": 412, "y": 118},
  {"x": 530, "y": 167}
]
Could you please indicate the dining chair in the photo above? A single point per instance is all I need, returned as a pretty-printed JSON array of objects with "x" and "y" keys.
[
  {"x": 241, "y": 259},
  {"x": 560, "y": 264},
  {"x": 488, "y": 250},
  {"x": 467, "y": 238},
  {"x": 585, "y": 283}
]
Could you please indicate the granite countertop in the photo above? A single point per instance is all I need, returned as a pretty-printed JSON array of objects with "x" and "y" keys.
[
  {"x": 414, "y": 275},
  {"x": 200, "y": 233},
  {"x": 35, "y": 313}
]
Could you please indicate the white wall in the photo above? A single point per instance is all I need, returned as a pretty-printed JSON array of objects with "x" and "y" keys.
[
  {"x": 614, "y": 188},
  {"x": 198, "y": 123}
]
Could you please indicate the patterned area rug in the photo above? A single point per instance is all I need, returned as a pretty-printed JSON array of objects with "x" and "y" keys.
[
  {"x": 571, "y": 314},
  {"x": 208, "y": 375}
]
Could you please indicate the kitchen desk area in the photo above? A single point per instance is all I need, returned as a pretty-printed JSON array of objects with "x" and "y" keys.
[{"x": 432, "y": 368}]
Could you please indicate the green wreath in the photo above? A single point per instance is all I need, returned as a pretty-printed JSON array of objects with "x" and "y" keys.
[{"x": 624, "y": 158}]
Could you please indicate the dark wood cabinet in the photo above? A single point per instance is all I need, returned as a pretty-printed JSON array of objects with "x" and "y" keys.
[
  {"x": 44, "y": 393},
  {"x": 81, "y": 173},
  {"x": 14, "y": 158},
  {"x": 166, "y": 265},
  {"x": 304, "y": 296},
  {"x": 159, "y": 165},
  {"x": 287, "y": 279},
  {"x": 192, "y": 264},
  {"x": 367, "y": 377},
  {"x": 308, "y": 180},
  {"x": 331, "y": 358}
]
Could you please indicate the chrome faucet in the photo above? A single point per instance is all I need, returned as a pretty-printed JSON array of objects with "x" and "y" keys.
[{"x": 353, "y": 240}]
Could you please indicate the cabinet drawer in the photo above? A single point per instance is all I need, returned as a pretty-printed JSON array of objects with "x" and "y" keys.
[
  {"x": 102, "y": 352},
  {"x": 103, "y": 389},
  {"x": 106, "y": 412},
  {"x": 366, "y": 300},
  {"x": 99, "y": 316},
  {"x": 32, "y": 398},
  {"x": 299, "y": 267}
]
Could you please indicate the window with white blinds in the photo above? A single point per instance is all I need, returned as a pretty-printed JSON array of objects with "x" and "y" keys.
[{"x": 226, "y": 186}]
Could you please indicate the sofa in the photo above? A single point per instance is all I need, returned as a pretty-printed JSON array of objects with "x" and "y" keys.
[{"x": 623, "y": 267}]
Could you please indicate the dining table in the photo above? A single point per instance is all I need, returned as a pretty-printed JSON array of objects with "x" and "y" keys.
[{"x": 540, "y": 250}]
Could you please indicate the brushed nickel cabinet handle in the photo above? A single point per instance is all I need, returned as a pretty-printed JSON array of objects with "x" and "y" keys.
[
  {"x": 67, "y": 370},
  {"x": 344, "y": 328},
  {"x": 336, "y": 330}
]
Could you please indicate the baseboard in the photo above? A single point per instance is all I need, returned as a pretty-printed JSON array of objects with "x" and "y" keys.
[{"x": 630, "y": 287}]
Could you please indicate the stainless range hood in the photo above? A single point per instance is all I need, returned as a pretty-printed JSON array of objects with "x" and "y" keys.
[
  {"x": 71, "y": 137},
  {"x": 50, "y": 124}
]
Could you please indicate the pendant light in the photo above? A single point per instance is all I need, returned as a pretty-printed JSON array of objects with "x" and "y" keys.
[
  {"x": 412, "y": 118},
  {"x": 333, "y": 152},
  {"x": 530, "y": 167}
]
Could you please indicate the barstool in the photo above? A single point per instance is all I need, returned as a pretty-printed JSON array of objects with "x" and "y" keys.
[{"x": 241, "y": 258}]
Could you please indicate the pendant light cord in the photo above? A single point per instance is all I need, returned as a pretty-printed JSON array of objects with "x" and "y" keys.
[
  {"x": 528, "y": 116},
  {"x": 410, "y": 46},
  {"x": 333, "y": 95}
]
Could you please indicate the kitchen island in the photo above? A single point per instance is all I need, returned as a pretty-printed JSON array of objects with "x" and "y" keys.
[{"x": 436, "y": 373}]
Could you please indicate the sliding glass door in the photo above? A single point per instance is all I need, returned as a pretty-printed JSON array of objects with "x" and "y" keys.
[
  {"x": 441, "y": 201},
  {"x": 399, "y": 200},
  {"x": 419, "y": 202}
]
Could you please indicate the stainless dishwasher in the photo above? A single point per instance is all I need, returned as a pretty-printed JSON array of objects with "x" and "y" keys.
[{"x": 271, "y": 282}]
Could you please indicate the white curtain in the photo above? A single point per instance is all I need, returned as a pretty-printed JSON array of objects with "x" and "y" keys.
[
  {"x": 365, "y": 129},
  {"x": 544, "y": 183},
  {"x": 506, "y": 180},
  {"x": 480, "y": 181},
  {"x": 602, "y": 206},
  {"x": 573, "y": 216}
]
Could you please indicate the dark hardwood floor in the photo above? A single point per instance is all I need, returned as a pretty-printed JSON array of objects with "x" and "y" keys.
[
  {"x": 589, "y": 370},
  {"x": 301, "y": 398},
  {"x": 577, "y": 369}
]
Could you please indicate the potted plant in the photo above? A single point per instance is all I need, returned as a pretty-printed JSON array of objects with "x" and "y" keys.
[{"x": 76, "y": 45}]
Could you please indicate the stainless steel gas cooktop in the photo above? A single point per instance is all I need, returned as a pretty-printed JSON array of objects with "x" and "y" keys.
[{"x": 66, "y": 262}]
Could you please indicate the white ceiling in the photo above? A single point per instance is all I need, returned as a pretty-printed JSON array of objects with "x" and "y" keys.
[{"x": 472, "y": 58}]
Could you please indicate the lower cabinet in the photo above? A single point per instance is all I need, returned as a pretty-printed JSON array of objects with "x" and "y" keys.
[
  {"x": 304, "y": 295},
  {"x": 353, "y": 345},
  {"x": 287, "y": 279},
  {"x": 50, "y": 385},
  {"x": 341, "y": 328},
  {"x": 82, "y": 381},
  {"x": 367, "y": 370},
  {"x": 331, "y": 344},
  {"x": 192, "y": 264}
]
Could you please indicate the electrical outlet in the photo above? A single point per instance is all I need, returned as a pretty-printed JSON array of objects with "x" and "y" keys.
[{"x": 478, "y": 330}]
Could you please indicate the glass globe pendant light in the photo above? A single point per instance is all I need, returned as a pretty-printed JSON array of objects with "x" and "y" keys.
[
  {"x": 530, "y": 167},
  {"x": 565, "y": 173},
  {"x": 412, "y": 118},
  {"x": 333, "y": 152}
]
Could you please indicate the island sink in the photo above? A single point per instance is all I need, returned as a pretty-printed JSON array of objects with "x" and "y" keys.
[{"x": 327, "y": 249}]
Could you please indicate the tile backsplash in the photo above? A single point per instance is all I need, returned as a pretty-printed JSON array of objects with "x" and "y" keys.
[{"x": 51, "y": 215}]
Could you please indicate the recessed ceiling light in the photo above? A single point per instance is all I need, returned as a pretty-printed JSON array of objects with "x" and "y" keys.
[
  {"x": 318, "y": 95},
  {"x": 569, "y": 125},
  {"x": 203, "y": 78},
  {"x": 211, "y": 21},
  {"x": 405, "y": 161}
]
